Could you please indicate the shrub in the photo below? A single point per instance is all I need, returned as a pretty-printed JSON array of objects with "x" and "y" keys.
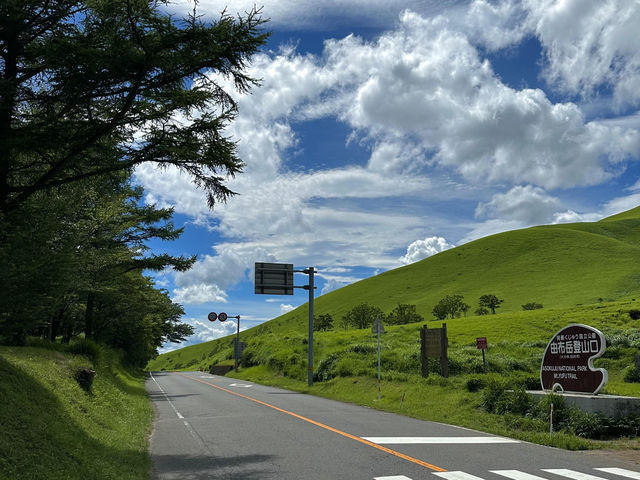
[
  {"x": 327, "y": 368},
  {"x": 632, "y": 374},
  {"x": 475, "y": 384},
  {"x": 88, "y": 348},
  {"x": 634, "y": 314},
  {"x": 364, "y": 349},
  {"x": 532, "y": 306}
]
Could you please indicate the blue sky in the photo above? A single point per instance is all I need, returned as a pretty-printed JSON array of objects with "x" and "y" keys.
[{"x": 384, "y": 132}]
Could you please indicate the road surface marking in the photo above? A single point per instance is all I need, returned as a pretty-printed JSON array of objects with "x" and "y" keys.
[
  {"x": 622, "y": 472},
  {"x": 322, "y": 425},
  {"x": 571, "y": 474},
  {"x": 457, "y": 476},
  {"x": 165, "y": 396},
  {"x": 516, "y": 475},
  {"x": 240, "y": 385},
  {"x": 394, "y": 477},
  {"x": 437, "y": 440}
]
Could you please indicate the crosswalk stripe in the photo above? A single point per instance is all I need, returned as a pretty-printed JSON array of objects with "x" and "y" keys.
[
  {"x": 394, "y": 477},
  {"x": 456, "y": 476},
  {"x": 571, "y": 474},
  {"x": 622, "y": 472},
  {"x": 516, "y": 475}
]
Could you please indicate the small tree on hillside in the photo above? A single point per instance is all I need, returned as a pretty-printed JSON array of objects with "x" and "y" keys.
[
  {"x": 451, "y": 305},
  {"x": 490, "y": 301},
  {"x": 362, "y": 316},
  {"x": 323, "y": 322},
  {"x": 403, "y": 314}
]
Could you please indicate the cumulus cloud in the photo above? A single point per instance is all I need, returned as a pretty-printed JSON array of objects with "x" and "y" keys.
[
  {"x": 432, "y": 113},
  {"x": 527, "y": 204},
  {"x": 590, "y": 44},
  {"x": 285, "y": 307},
  {"x": 203, "y": 332},
  {"x": 421, "y": 249}
]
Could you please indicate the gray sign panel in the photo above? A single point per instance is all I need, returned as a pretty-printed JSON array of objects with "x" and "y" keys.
[{"x": 274, "y": 278}]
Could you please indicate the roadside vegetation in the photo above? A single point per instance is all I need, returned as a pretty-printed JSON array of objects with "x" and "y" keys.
[
  {"x": 53, "y": 428},
  {"x": 346, "y": 369},
  {"x": 515, "y": 288}
]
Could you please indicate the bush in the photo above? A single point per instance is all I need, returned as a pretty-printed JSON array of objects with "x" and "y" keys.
[
  {"x": 632, "y": 374},
  {"x": 475, "y": 384},
  {"x": 532, "y": 306},
  {"x": 634, "y": 314},
  {"x": 364, "y": 349},
  {"x": 326, "y": 369},
  {"x": 88, "y": 348}
]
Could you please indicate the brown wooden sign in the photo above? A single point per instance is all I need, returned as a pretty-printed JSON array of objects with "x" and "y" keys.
[
  {"x": 568, "y": 360},
  {"x": 434, "y": 343}
]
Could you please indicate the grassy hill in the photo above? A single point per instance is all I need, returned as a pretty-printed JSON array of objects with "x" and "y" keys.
[
  {"x": 581, "y": 273},
  {"x": 53, "y": 429}
]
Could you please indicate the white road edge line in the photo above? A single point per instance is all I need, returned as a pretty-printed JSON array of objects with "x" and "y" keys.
[
  {"x": 437, "y": 440},
  {"x": 622, "y": 472},
  {"x": 167, "y": 397}
]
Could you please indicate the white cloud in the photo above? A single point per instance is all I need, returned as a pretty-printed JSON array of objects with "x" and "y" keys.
[
  {"x": 590, "y": 44},
  {"x": 527, "y": 204},
  {"x": 439, "y": 124},
  {"x": 285, "y": 307},
  {"x": 199, "y": 293},
  {"x": 203, "y": 332},
  {"x": 421, "y": 249}
]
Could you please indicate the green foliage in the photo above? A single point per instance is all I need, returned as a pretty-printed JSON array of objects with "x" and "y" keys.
[
  {"x": 532, "y": 306},
  {"x": 90, "y": 87},
  {"x": 53, "y": 429},
  {"x": 90, "y": 349},
  {"x": 323, "y": 322},
  {"x": 490, "y": 301},
  {"x": 632, "y": 374},
  {"x": 451, "y": 305},
  {"x": 362, "y": 316},
  {"x": 403, "y": 314}
]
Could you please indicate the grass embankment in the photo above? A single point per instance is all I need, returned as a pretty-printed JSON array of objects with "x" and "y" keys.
[{"x": 53, "y": 429}]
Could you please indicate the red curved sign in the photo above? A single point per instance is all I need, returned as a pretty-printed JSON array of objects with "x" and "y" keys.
[
  {"x": 568, "y": 360},
  {"x": 222, "y": 316},
  {"x": 212, "y": 317}
]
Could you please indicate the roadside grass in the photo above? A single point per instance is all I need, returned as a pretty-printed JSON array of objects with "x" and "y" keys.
[
  {"x": 53, "y": 429},
  {"x": 345, "y": 366}
]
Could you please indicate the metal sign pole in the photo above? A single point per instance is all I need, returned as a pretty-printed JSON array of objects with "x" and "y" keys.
[
  {"x": 379, "y": 363},
  {"x": 237, "y": 349},
  {"x": 310, "y": 271}
]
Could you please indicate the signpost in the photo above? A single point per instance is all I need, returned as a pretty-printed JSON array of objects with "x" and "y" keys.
[
  {"x": 378, "y": 328},
  {"x": 568, "y": 360},
  {"x": 434, "y": 343},
  {"x": 482, "y": 344},
  {"x": 238, "y": 345},
  {"x": 277, "y": 279}
]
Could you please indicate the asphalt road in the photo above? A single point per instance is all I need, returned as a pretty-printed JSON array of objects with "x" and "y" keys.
[{"x": 211, "y": 427}]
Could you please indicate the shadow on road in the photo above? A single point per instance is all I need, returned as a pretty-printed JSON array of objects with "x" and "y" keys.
[{"x": 189, "y": 467}]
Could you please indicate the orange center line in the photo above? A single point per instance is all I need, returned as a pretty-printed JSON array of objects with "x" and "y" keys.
[{"x": 326, "y": 427}]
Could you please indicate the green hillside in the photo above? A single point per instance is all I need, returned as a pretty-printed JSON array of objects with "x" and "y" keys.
[
  {"x": 581, "y": 273},
  {"x": 558, "y": 266}
]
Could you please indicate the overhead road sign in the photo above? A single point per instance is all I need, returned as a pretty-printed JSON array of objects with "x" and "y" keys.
[{"x": 273, "y": 278}]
